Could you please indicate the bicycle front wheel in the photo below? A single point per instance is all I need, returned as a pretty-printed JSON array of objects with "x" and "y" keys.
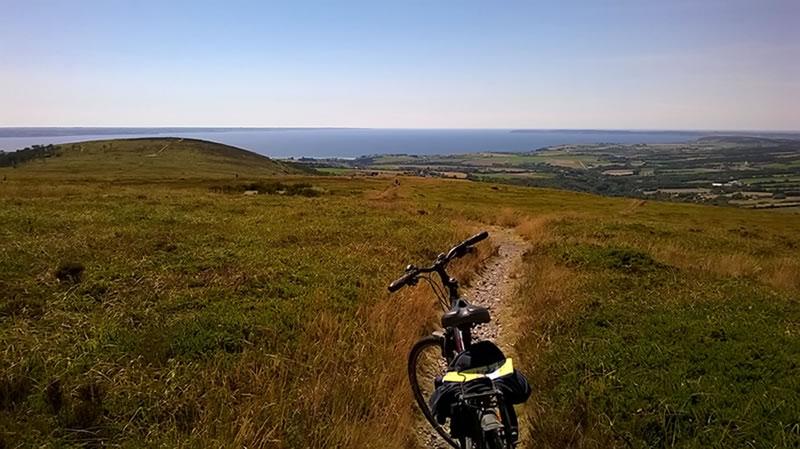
[{"x": 425, "y": 363}]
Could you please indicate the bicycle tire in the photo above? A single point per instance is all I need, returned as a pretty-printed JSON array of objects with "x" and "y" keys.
[{"x": 413, "y": 368}]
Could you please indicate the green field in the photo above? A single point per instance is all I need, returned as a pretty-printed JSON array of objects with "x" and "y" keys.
[
  {"x": 146, "y": 302},
  {"x": 726, "y": 166}
]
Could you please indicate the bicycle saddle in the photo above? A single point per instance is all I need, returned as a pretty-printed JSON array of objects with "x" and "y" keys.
[{"x": 464, "y": 314}]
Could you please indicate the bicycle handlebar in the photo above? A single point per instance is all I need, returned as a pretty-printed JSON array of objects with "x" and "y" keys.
[
  {"x": 455, "y": 252},
  {"x": 402, "y": 281},
  {"x": 476, "y": 238},
  {"x": 459, "y": 250}
]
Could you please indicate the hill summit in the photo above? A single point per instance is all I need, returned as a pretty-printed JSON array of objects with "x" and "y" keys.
[{"x": 146, "y": 158}]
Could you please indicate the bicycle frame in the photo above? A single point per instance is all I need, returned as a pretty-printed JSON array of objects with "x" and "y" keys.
[{"x": 461, "y": 339}]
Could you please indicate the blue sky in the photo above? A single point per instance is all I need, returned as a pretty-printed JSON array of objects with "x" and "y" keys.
[{"x": 429, "y": 64}]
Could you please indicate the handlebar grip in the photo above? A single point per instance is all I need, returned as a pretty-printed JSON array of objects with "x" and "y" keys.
[
  {"x": 461, "y": 249},
  {"x": 400, "y": 283},
  {"x": 476, "y": 238}
]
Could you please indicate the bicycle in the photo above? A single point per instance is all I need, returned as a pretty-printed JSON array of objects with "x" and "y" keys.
[{"x": 480, "y": 416}]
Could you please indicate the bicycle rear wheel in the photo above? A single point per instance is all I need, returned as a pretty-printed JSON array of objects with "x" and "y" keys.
[{"x": 425, "y": 362}]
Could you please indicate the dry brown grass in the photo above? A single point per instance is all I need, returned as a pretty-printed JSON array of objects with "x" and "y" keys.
[
  {"x": 355, "y": 392},
  {"x": 784, "y": 273},
  {"x": 736, "y": 265},
  {"x": 779, "y": 272},
  {"x": 506, "y": 217},
  {"x": 391, "y": 193},
  {"x": 354, "y": 386},
  {"x": 536, "y": 229}
]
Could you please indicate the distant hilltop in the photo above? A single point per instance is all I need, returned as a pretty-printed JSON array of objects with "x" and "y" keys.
[
  {"x": 749, "y": 140},
  {"x": 699, "y": 134},
  {"x": 142, "y": 158}
]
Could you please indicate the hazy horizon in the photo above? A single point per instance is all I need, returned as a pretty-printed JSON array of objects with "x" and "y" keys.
[
  {"x": 682, "y": 65},
  {"x": 397, "y": 128},
  {"x": 354, "y": 142}
]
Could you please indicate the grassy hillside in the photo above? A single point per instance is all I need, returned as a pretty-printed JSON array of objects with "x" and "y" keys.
[
  {"x": 184, "y": 315},
  {"x": 144, "y": 159}
]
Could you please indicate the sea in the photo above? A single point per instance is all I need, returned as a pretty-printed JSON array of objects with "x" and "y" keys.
[{"x": 348, "y": 143}]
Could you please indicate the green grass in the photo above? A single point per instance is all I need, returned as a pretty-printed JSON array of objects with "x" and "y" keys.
[
  {"x": 336, "y": 171},
  {"x": 182, "y": 290},
  {"x": 506, "y": 176},
  {"x": 789, "y": 165},
  {"x": 206, "y": 318},
  {"x": 787, "y": 178},
  {"x": 660, "y": 357}
]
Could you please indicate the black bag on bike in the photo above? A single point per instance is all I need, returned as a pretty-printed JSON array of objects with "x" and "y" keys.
[{"x": 471, "y": 368}]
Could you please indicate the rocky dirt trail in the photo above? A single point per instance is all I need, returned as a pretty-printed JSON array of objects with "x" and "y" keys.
[
  {"x": 495, "y": 283},
  {"x": 491, "y": 288}
]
